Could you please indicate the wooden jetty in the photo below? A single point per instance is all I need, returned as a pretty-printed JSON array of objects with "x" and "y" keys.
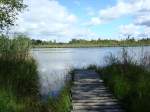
[{"x": 89, "y": 94}]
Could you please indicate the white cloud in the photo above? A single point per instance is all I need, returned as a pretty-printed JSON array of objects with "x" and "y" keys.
[
  {"x": 72, "y": 18},
  {"x": 114, "y": 12},
  {"x": 147, "y": 30},
  {"x": 95, "y": 21},
  {"x": 143, "y": 18},
  {"x": 123, "y": 8},
  {"x": 134, "y": 31},
  {"x": 139, "y": 10},
  {"x": 47, "y": 19},
  {"x": 129, "y": 29}
]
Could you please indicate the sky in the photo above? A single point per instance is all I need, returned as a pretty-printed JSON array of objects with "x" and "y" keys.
[{"x": 63, "y": 20}]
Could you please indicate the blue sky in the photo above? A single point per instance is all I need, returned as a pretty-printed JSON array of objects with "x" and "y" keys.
[
  {"x": 82, "y": 8},
  {"x": 63, "y": 20}
]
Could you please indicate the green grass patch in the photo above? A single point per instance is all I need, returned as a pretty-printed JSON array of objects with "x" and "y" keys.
[
  {"x": 128, "y": 80},
  {"x": 19, "y": 89},
  {"x": 19, "y": 86},
  {"x": 130, "y": 84},
  {"x": 61, "y": 103}
]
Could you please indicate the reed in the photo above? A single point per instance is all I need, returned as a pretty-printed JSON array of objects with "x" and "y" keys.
[
  {"x": 129, "y": 80},
  {"x": 19, "y": 86}
]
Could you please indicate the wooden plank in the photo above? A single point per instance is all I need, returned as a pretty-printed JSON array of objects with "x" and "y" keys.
[{"x": 89, "y": 94}]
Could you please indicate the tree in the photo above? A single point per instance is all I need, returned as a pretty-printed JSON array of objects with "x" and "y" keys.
[{"x": 9, "y": 9}]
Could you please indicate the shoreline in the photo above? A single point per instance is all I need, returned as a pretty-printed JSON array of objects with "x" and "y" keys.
[{"x": 43, "y": 46}]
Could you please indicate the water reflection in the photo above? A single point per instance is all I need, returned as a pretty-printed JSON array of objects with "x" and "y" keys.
[{"x": 54, "y": 63}]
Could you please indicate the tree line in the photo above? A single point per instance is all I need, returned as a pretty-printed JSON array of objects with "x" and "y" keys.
[{"x": 97, "y": 41}]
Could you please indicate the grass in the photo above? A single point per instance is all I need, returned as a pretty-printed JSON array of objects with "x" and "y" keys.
[
  {"x": 130, "y": 84},
  {"x": 19, "y": 76},
  {"x": 19, "y": 81},
  {"x": 19, "y": 87},
  {"x": 128, "y": 80},
  {"x": 62, "y": 103}
]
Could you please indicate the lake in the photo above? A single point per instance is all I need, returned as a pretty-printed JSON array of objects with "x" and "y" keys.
[{"x": 54, "y": 63}]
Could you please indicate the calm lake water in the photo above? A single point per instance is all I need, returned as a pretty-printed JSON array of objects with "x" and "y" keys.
[{"x": 54, "y": 63}]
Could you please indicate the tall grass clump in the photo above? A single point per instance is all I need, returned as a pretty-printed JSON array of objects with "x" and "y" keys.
[
  {"x": 14, "y": 49},
  {"x": 18, "y": 76},
  {"x": 129, "y": 80},
  {"x": 62, "y": 102},
  {"x": 19, "y": 81}
]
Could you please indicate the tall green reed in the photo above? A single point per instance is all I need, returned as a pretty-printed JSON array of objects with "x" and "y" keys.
[{"x": 129, "y": 80}]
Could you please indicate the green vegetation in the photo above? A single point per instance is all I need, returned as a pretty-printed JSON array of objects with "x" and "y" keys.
[
  {"x": 18, "y": 76},
  {"x": 63, "y": 102},
  {"x": 19, "y": 89},
  {"x": 128, "y": 80},
  {"x": 74, "y": 43},
  {"x": 19, "y": 86},
  {"x": 19, "y": 81},
  {"x": 9, "y": 9}
]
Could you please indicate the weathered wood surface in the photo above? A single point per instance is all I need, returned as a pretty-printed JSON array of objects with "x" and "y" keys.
[{"x": 90, "y": 95}]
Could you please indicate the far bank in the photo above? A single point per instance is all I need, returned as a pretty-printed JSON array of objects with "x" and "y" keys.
[{"x": 85, "y": 46}]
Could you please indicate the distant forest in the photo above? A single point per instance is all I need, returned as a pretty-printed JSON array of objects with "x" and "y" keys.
[{"x": 92, "y": 43}]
